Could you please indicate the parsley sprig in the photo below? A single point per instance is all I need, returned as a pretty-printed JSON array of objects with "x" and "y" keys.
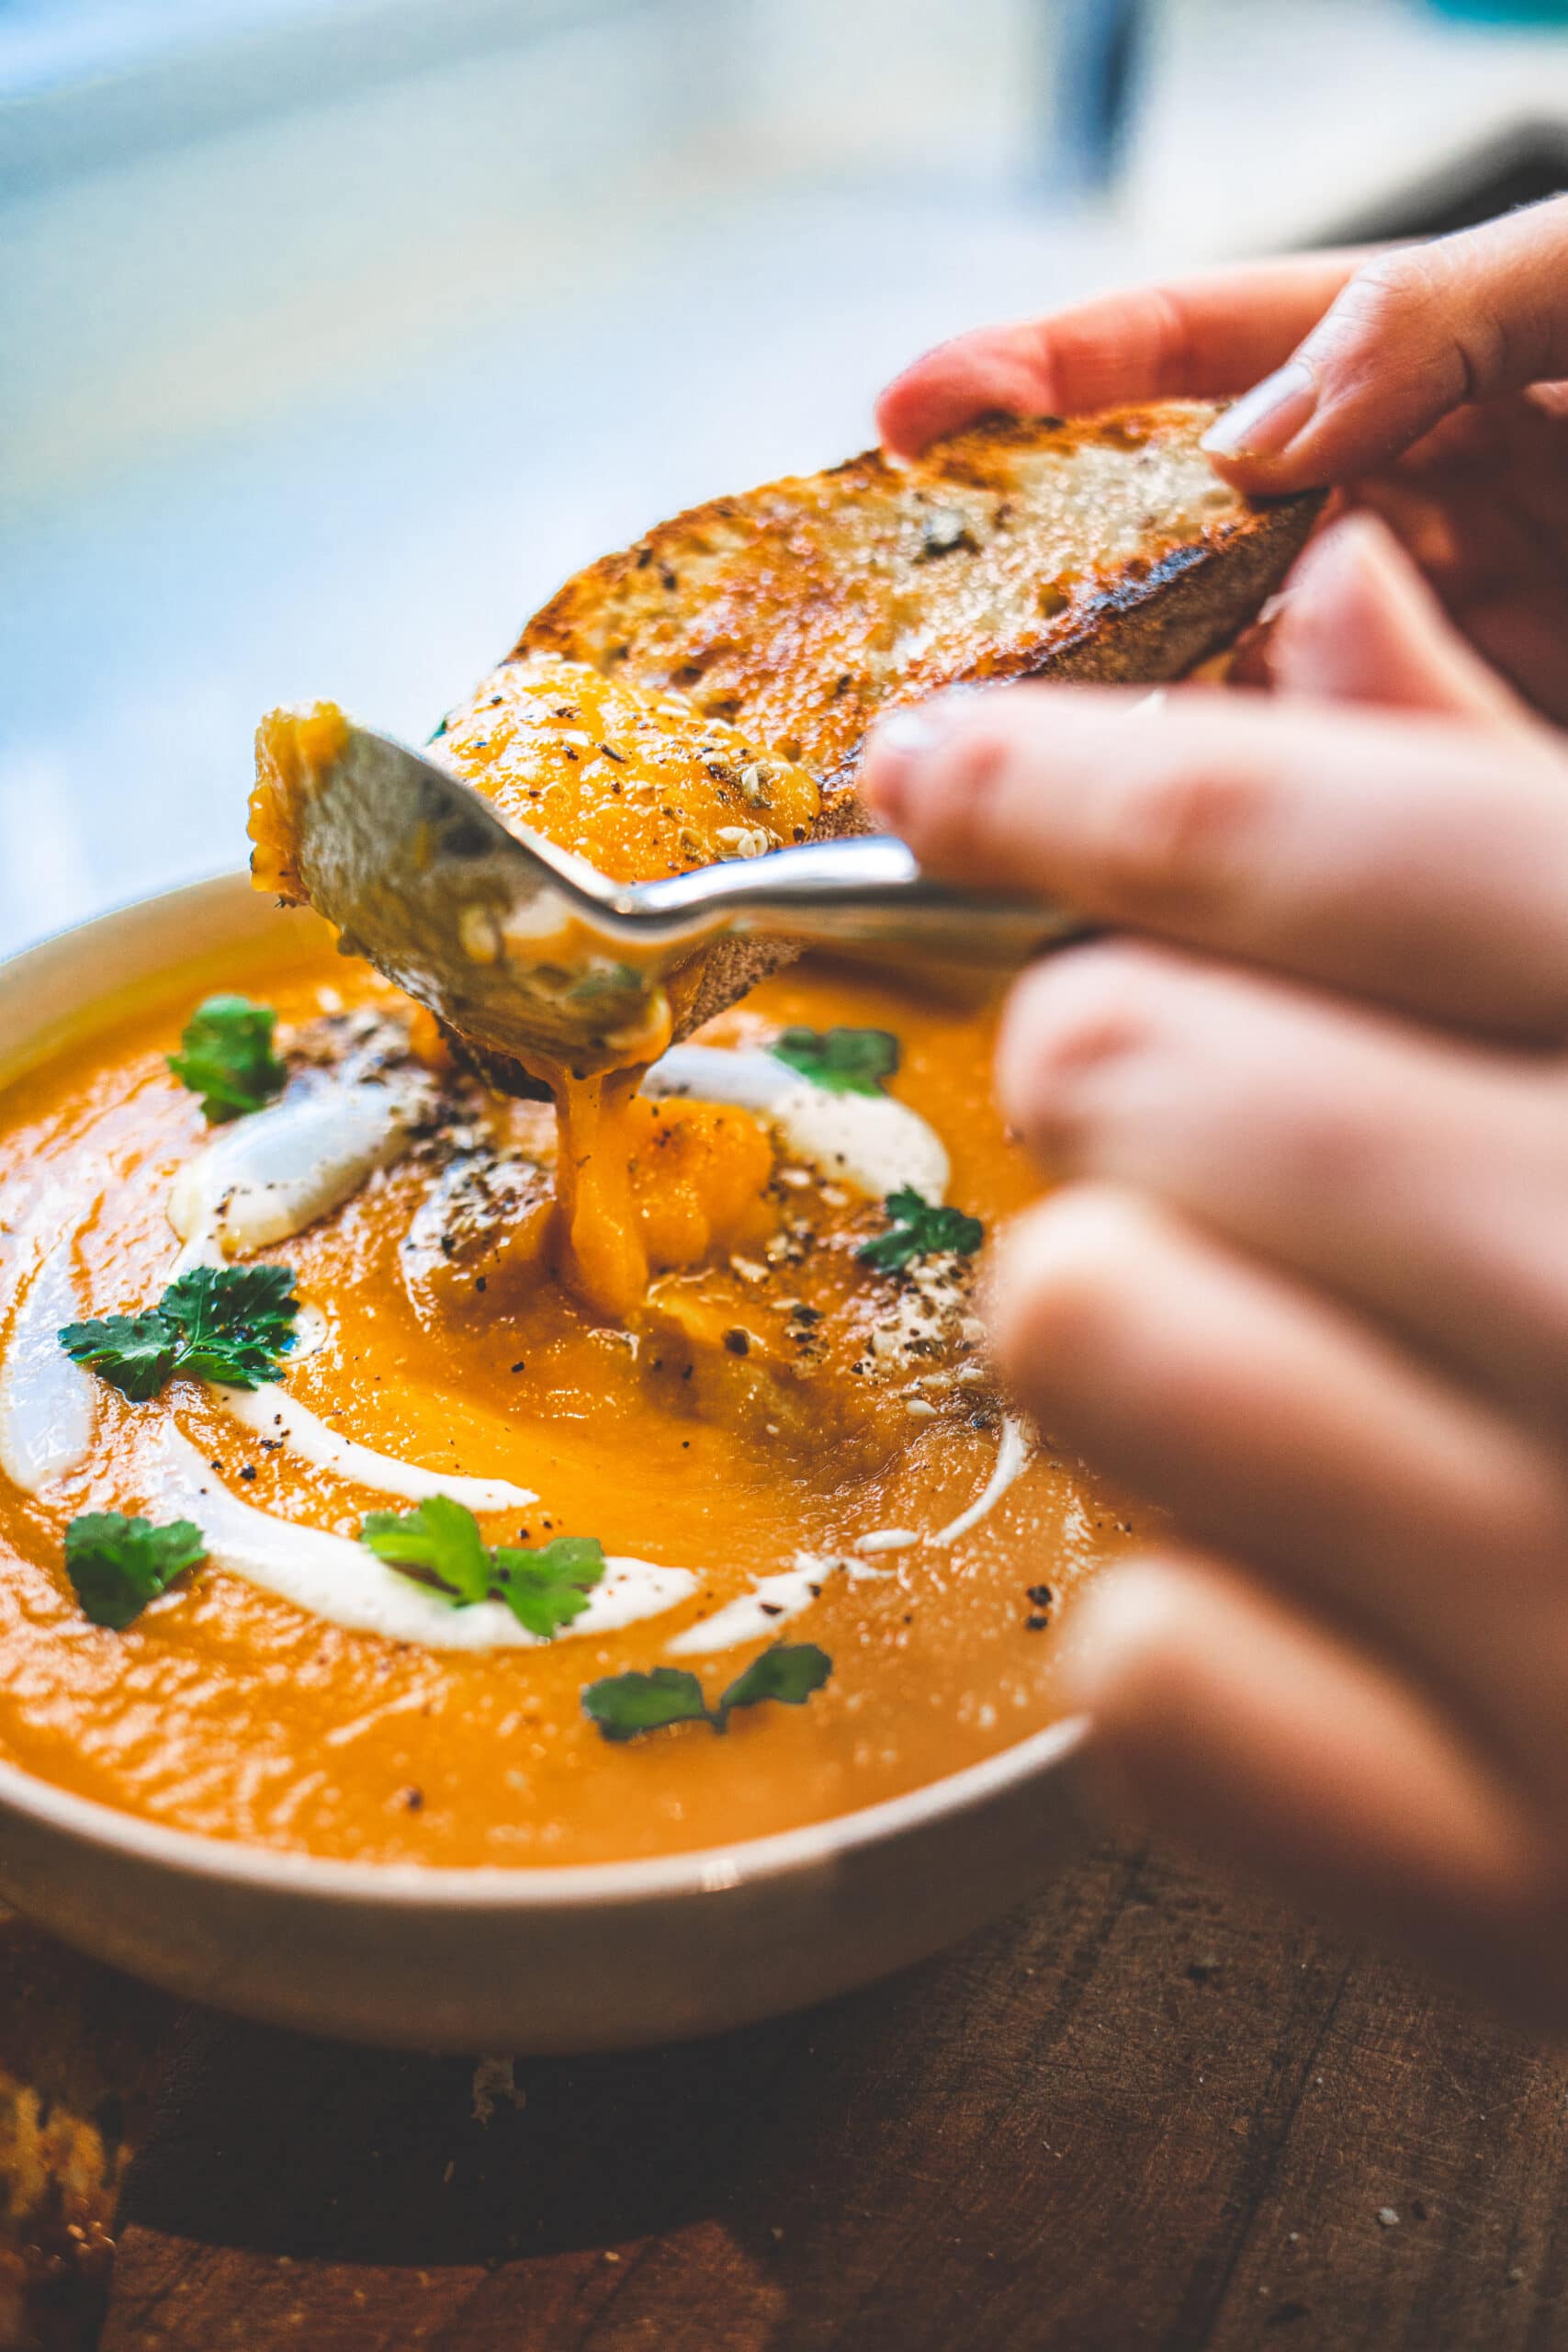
[
  {"x": 224, "y": 1323},
  {"x": 626, "y": 1705},
  {"x": 844, "y": 1061},
  {"x": 920, "y": 1228},
  {"x": 118, "y": 1564},
  {"x": 439, "y": 1543},
  {"x": 226, "y": 1057}
]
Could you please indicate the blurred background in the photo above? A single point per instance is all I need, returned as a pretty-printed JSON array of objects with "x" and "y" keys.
[{"x": 336, "y": 332}]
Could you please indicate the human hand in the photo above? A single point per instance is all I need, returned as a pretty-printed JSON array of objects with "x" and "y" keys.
[
  {"x": 1306, "y": 1283},
  {"x": 1424, "y": 380}
]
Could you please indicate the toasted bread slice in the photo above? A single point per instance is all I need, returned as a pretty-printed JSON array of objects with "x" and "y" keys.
[{"x": 1103, "y": 549}]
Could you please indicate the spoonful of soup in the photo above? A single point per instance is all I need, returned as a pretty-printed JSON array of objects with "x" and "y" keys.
[
  {"x": 649, "y": 806},
  {"x": 578, "y": 870}
]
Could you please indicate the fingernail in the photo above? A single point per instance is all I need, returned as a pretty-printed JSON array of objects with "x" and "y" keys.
[
  {"x": 1265, "y": 421},
  {"x": 904, "y": 737},
  {"x": 909, "y": 731}
]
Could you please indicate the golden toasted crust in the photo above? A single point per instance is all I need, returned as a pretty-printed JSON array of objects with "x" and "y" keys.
[{"x": 1103, "y": 548}]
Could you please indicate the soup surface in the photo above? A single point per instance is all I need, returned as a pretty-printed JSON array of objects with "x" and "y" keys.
[{"x": 784, "y": 1442}]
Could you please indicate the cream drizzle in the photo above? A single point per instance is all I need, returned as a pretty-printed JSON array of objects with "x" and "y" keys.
[
  {"x": 872, "y": 1141},
  {"x": 1014, "y": 1447},
  {"x": 49, "y": 1406},
  {"x": 771, "y": 1602},
  {"x": 276, "y": 1171},
  {"x": 273, "y": 1413},
  {"x": 333, "y": 1577},
  {"x": 263, "y": 1180}
]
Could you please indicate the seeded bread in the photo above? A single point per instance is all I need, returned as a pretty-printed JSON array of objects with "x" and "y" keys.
[{"x": 1103, "y": 549}]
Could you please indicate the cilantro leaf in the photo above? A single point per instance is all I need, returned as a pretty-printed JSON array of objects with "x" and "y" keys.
[
  {"x": 788, "y": 1672},
  {"x": 235, "y": 1322},
  {"x": 440, "y": 1540},
  {"x": 547, "y": 1588},
  {"x": 622, "y": 1705},
  {"x": 134, "y": 1352},
  {"x": 625, "y": 1705},
  {"x": 227, "y": 1056},
  {"x": 118, "y": 1564},
  {"x": 845, "y": 1061},
  {"x": 227, "y": 1323},
  {"x": 920, "y": 1228},
  {"x": 439, "y": 1536}
]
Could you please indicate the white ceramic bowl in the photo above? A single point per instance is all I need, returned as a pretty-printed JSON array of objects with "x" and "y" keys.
[{"x": 602, "y": 1956}]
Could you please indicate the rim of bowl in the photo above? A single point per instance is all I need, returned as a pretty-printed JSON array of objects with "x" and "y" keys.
[{"x": 706, "y": 1870}]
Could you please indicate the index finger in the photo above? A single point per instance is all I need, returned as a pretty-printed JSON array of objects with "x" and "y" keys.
[
  {"x": 1200, "y": 338},
  {"x": 1411, "y": 858}
]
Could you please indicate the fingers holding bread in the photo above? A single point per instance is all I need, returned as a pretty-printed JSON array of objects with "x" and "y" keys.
[
  {"x": 1414, "y": 333},
  {"x": 1206, "y": 338},
  {"x": 1406, "y": 858},
  {"x": 1341, "y": 361}
]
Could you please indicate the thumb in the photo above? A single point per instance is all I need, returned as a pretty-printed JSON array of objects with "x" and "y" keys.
[
  {"x": 1359, "y": 624},
  {"x": 1416, "y": 333}
]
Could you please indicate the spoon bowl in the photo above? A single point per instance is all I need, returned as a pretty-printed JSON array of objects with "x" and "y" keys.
[{"x": 525, "y": 950}]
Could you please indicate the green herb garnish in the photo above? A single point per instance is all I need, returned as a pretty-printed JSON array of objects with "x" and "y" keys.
[
  {"x": 224, "y": 1323},
  {"x": 626, "y": 1705},
  {"x": 440, "y": 1540},
  {"x": 236, "y": 1321},
  {"x": 227, "y": 1056},
  {"x": 117, "y": 1565},
  {"x": 920, "y": 1228},
  {"x": 547, "y": 1588},
  {"x": 135, "y": 1354},
  {"x": 845, "y": 1061}
]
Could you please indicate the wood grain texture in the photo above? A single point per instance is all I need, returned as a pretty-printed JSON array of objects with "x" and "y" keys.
[
  {"x": 1148, "y": 2109},
  {"x": 81, "y": 2054}
]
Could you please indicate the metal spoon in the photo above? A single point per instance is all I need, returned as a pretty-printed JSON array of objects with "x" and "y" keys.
[{"x": 523, "y": 949}]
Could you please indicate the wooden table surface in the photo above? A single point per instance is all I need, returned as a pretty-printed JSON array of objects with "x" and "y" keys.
[{"x": 1148, "y": 2109}]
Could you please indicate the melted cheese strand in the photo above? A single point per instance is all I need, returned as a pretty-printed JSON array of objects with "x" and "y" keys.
[
  {"x": 273, "y": 1413},
  {"x": 48, "y": 1405},
  {"x": 332, "y": 1577},
  {"x": 276, "y": 1171},
  {"x": 872, "y": 1141},
  {"x": 1013, "y": 1449}
]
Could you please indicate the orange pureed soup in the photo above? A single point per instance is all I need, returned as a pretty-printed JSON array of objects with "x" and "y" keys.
[{"x": 785, "y": 1443}]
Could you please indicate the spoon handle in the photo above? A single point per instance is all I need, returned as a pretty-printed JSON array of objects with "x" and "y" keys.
[{"x": 866, "y": 891}]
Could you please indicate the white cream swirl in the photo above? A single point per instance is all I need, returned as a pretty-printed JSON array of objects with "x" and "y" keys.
[{"x": 333, "y": 1577}]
